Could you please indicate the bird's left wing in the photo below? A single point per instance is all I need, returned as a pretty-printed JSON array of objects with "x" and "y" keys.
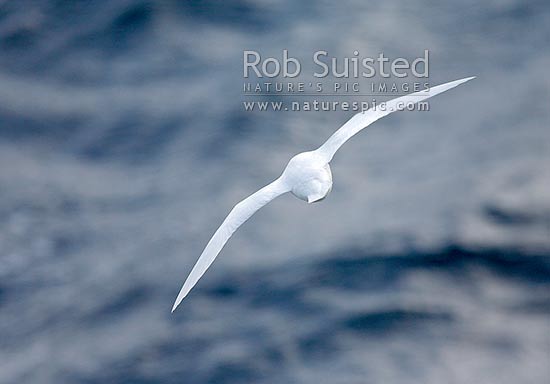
[
  {"x": 366, "y": 118},
  {"x": 238, "y": 215}
]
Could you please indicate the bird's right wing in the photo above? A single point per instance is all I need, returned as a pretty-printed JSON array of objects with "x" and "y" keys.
[
  {"x": 238, "y": 215},
  {"x": 366, "y": 118}
]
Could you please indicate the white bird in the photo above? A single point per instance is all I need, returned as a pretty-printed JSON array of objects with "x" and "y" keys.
[{"x": 307, "y": 176}]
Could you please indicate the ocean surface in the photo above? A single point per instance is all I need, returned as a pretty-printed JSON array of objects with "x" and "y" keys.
[{"x": 124, "y": 143}]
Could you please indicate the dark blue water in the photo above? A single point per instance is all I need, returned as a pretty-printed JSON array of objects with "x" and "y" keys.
[{"x": 123, "y": 144}]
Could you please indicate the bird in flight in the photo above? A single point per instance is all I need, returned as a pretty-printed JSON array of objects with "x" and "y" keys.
[{"x": 307, "y": 176}]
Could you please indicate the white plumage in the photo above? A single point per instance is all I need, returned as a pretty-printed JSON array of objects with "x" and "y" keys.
[{"x": 307, "y": 176}]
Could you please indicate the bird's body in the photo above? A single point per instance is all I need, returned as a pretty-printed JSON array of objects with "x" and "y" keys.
[{"x": 307, "y": 176}]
